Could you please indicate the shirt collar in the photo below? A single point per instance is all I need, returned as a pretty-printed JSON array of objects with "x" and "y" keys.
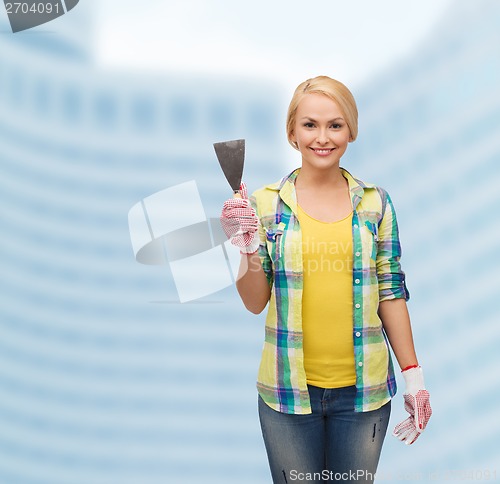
[{"x": 286, "y": 188}]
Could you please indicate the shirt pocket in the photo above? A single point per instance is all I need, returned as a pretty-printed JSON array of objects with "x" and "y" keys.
[
  {"x": 274, "y": 241},
  {"x": 369, "y": 239}
]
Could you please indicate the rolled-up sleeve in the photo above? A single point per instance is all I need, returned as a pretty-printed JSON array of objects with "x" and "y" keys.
[
  {"x": 391, "y": 278},
  {"x": 262, "y": 251}
]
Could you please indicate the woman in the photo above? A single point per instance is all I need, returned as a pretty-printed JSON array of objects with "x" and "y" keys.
[{"x": 321, "y": 248}]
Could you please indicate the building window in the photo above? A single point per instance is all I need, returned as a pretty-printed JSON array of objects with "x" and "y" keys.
[
  {"x": 42, "y": 97},
  {"x": 143, "y": 113},
  {"x": 15, "y": 88},
  {"x": 221, "y": 118},
  {"x": 181, "y": 116},
  {"x": 71, "y": 104},
  {"x": 106, "y": 110},
  {"x": 261, "y": 121}
]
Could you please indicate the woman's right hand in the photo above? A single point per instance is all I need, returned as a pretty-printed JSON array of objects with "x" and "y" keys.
[{"x": 240, "y": 222}]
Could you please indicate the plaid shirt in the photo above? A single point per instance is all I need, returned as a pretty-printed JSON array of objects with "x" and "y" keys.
[{"x": 377, "y": 276}]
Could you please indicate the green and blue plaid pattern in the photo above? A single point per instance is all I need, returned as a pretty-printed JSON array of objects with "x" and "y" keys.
[{"x": 377, "y": 276}]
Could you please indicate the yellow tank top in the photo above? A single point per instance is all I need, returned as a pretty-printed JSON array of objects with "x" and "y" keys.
[{"x": 327, "y": 318}]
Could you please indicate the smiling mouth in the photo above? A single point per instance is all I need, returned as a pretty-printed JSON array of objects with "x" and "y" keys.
[{"x": 322, "y": 151}]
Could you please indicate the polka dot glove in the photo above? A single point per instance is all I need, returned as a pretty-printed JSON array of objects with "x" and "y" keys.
[
  {"x": 416, "y": 404},
  {"x": 240, "y": 222}
]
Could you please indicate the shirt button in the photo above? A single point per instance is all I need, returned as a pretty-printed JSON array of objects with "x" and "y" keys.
[
  {"x": 358, "y": 306},
  {"x": 358, "y": 334},
  {"x": 360, "y": 363},
  {"x": 358, "y": 254},
  {"x": 355, "y": 226},
  {"x": 356, "y": 281}
]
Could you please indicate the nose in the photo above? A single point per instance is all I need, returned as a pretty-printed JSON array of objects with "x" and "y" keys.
[{"x": 322, "y": 137}]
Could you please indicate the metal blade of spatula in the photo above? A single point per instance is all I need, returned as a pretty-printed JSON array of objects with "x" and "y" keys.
[{"x": 231, "y": 156}]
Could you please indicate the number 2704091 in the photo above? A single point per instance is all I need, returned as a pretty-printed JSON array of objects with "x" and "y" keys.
[{"x": 24, "y": 7}]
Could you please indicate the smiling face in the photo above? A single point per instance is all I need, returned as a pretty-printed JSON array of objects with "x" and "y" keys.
[{"x": 320, "y": 132}]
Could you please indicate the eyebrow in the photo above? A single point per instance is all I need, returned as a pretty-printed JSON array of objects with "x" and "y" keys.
[{"x": 331, "y": 121}]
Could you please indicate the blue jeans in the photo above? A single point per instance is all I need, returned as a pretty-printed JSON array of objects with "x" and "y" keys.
[{"x": 332, "y": 444}]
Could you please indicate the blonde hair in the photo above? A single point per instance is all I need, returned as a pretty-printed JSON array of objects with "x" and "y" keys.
[{"x": 331, "y": 88}]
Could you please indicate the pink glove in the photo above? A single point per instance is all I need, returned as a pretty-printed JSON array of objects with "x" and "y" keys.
[
  {"x": 240, "y": 222},
  {"x": 416, "y": 404}
]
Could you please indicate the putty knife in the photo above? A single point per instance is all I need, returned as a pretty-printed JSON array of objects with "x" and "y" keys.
[{"x": 231, "y": 156}]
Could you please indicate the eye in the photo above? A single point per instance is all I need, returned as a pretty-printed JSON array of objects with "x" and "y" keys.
[
  {"x": 308, "y": 125},
  {"x": 336, "y": 126}
]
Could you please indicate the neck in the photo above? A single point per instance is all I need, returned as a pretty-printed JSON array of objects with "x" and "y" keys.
[{"x": 318, "y": 180}]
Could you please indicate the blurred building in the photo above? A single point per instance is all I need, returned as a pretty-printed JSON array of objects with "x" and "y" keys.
[
  {"x": 104, "y": 376},
  {"x": 430, "y": 134}
]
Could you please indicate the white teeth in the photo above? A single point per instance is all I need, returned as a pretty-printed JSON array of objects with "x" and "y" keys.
[{"x": 323, "y": 152}]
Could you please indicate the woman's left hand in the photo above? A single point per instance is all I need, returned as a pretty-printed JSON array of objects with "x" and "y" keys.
[{"x": 417, "y": 404}]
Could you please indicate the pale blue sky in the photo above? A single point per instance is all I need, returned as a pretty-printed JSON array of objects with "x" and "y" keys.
[{"x": 282, "y": 41}]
